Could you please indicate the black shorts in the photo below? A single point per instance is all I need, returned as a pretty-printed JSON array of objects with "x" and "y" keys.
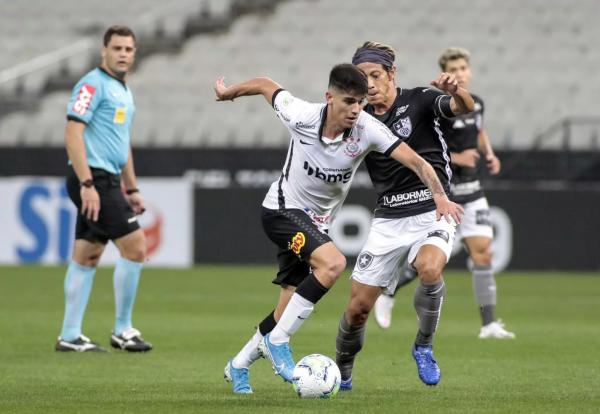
[
  {"x": 293, "y": 231},
  {"x": 116, "y": 218}
]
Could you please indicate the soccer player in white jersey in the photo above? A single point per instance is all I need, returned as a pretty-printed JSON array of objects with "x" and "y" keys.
[
  {"x": 406, "y": 227},
  {"x": 467, "y": 139},
  {"x": 328, "y": 142}
]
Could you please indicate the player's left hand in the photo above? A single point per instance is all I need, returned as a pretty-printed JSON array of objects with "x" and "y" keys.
[
  {"x": 446, "y": 82},
  {"x": 136, "y": 201},
  {"x": 493, "y": 163},
  {"x": 221, "y": 89},
  {"x": 447, "y": 209}
]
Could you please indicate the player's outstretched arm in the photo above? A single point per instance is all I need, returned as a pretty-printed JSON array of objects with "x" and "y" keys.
[
  {"x": 444, "y": 207},
  {"x": 257, "y": 86},
  {"x": 462, "y": 102},
  {"x": 485, "y": 146}
]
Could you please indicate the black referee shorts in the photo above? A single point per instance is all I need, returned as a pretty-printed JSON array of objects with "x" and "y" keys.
[
  {"x": 293, "y": 231},
  {"x": 116, "y": 218}
]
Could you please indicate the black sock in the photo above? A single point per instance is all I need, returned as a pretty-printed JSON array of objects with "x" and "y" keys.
[
  {"x": 311, "y": 289},
  {"x": 267, "y": 324}
]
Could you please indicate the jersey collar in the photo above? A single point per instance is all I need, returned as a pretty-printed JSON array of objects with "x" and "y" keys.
[
  {"x": 339, "y": 138},
  {"x": 122, "y": 82}
]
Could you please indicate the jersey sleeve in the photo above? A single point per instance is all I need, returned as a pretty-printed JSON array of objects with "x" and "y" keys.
[
  {"x": 289, "y": 108},
  {"x": 85, "y": 98},
  {"x": 438, "y": 101},
  {"x": 381, "y": 138},
  {"x": 479, "y": 116}
]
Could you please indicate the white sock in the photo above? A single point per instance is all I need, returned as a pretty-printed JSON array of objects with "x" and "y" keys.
[
  {"x": 296, "y": 311},
  {"x": 249, "y": 352}
]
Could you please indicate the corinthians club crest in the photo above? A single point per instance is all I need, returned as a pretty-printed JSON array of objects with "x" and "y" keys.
[
  {"x": 403, "y": 127},
  {"x": 352, "y": 148}
]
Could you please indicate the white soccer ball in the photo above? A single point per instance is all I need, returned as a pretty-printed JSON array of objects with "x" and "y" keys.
[{"x": 316, "y": 376}]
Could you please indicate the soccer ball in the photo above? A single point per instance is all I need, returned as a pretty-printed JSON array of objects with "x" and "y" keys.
[{"x": 316, "y": 376}]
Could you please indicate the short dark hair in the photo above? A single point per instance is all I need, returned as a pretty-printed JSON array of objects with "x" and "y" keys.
[
  {"x": 348, "y": 78},
  {"x": 119, "y": 31}
]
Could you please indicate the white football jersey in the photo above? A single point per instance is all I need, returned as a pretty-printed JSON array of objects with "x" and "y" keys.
[{"x": 318, "y": 171}]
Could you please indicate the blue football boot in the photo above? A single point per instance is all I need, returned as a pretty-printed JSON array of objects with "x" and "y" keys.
[
  {"x": 427, "y": 366},
  {"x": 281, "y": 357},
  {"x": 346, "y": 385},
  {"x": 238, "y": 378}
]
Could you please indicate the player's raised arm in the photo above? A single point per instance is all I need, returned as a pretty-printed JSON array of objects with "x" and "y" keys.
[
  {"x": 256, "y": 86},
  {"x": 461, "y": 102},
  {"x": 444, "y": 207}
]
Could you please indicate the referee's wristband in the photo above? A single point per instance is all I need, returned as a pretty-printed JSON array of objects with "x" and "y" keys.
[{"x": 132, "y": 191}]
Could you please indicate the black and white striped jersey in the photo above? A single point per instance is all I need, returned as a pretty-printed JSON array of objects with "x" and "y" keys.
[
  {"x": 318, "y": 171},
  {"x": 414, "y": 117}
]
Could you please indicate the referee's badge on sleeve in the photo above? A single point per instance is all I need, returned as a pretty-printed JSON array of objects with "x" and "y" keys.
[
  {"x": 84, "y": 98},
  {"x": 120, "y": 114}
]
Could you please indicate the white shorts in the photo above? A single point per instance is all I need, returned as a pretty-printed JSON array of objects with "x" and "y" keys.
[
  {"x": 476, "y": 220},
  {"x": 392, "y": 242}
]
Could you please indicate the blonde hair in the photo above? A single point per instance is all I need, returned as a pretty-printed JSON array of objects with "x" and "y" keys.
[{"x": 453, "y": 53}]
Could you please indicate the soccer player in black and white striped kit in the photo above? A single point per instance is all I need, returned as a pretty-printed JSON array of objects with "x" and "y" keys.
[{"x": 405, "y": 227}]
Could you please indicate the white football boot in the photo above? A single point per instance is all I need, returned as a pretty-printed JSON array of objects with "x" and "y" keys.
[
  {"x": 383, "y": 310},
  {"x": 495, "y": 330}
]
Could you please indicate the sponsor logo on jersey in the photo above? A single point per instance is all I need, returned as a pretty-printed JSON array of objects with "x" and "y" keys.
[
  {"x": 302, "y": 125},
  {"x": 482, "y": 217},
  {"x": 477, "y": 107},
  {"x": 84, "y": 98},
  {"x": 320, "y": 221},
  {"x": 297, "y": 243},
  {"x": 364, "y": 260},
  {"x": 462, "y": 189},
  {"x": 352, "y": 149},
  {"x": 442, "y": 234},
  {"x": 329, "y": 175},
  {"x": 403, "y": 127},
  {"x": 404, "y": 199},
  {"x": 401, "y": 110}
]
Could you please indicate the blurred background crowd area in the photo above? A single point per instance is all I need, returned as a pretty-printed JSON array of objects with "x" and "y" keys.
[{"x": 534, "y": 63}]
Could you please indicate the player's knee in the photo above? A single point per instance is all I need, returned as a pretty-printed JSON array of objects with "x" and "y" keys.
[
  {"x": 429, "y": 273},
  {"x": 91, "y": 260},
  {"x": 358, "y": 312},
  {"x": 333, "y": 267},
  {"x": 135, "y": 253},
  {"x": 482, "y": 257}
]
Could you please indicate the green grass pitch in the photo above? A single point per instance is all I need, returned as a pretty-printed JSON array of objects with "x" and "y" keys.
[{"x": 199, "y": 318}]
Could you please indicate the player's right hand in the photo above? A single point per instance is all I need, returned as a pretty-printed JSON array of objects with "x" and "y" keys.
[
  {"x": 448, "y": 210},
  {"x": 466, "y": 158},
  {"x": 90, "y": 203}
]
